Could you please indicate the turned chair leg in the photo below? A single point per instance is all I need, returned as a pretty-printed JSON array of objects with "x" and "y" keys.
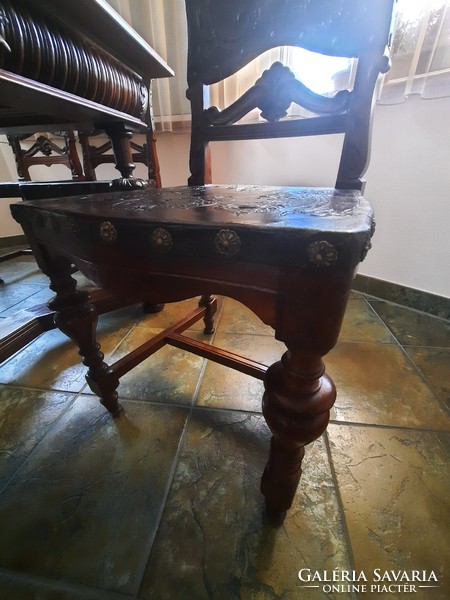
[
  {"x": 77, "y": 318},
  {"x": 296, "y": 405},
  {"x": 210, "y": 302},
  {"x": 150, "y": 309}
]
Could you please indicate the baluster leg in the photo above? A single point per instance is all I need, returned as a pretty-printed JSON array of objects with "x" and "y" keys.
[
  {"x": 120, "y": 138},
  {"x": 296, "y": 405},
  {"x": 210, "y": 302},
  {"x": 76, "y": 316}
]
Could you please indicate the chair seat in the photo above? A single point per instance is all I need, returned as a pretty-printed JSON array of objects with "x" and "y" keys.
[{"x": 280, "y": 226}]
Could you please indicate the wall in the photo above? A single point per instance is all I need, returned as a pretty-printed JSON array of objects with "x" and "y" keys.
[
  {"x": 8, "y": 227},
  {"x": 408, "y": 184},
  {"x": 409, "y": 187}
]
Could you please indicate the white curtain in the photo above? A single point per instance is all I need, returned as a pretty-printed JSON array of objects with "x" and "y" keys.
[
  {"x": 420, "y": 52},
  {"x": 162, "y": 23}
]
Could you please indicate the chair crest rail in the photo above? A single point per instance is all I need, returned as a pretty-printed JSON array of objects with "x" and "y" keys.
[{"x": 273, "y": 93}]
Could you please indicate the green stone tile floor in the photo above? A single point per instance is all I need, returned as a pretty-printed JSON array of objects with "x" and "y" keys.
[{"x": 164, "y": 502}]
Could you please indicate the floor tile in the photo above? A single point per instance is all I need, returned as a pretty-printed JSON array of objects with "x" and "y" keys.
[
  {"x": 17, "y": 587},
  {"x": 362, "y": 324},
  {"x": 42, "y": 296},
  {"x": 223, "y": 387},
  {"x": 212, "y": 541},
  {"x": 25, "y": 416},
  {"x": 395, "y": 488},
  {"x": 412, "y": 327},
  {"x": 21, "y": 270},
  {"x": 434, "y": 364},
  {"x": 131, "y": 313},
  {"x": 87, "y": 501},
  {"x": 376, "y": 384},
  {"x": 175, "y": 311},
  {"x": 10, "y": 295},
  {"x": 83, "y": 494},
  {"x": 237, "y": 318},
  {"x": 52, "y": 361}
]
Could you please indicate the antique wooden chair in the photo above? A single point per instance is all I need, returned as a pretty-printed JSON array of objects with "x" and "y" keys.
[
  {"x": 96, "y": 155},
  {"x": 287, "y": 253},
  {"x": 43, "y": 150},
  {"x": 40, "y": 150}
]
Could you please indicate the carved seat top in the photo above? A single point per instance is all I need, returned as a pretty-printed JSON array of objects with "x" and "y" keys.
[
  {"x": 242, "y": 206},
  {"x": 279, "y": 226}
]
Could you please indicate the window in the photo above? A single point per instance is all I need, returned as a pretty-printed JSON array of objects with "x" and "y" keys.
[{"x": 420, "y": 51}]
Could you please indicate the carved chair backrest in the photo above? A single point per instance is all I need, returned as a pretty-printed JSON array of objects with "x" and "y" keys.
[
  {"x": 43, "y": 150},
  {"x": 224, "y": 36}
]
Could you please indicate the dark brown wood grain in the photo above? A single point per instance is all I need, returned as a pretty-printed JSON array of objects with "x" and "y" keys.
[{"x": 67, "y": 66}]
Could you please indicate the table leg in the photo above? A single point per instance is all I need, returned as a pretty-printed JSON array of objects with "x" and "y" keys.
[{"x": 120, "y": 138}]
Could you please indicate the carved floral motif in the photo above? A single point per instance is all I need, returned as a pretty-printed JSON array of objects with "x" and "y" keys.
[
  {"x": 322, "y": 253},
  {"x": 108, "y": 232},
  {"x": 228, "y": 242},
  {"x": 161, "y": 240}
]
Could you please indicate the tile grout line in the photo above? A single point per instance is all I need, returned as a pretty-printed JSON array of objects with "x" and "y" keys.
[
  {"x": 374, "y": 310},
  {"x": 64, "y": 411},
  {"x": 106, "y": 357},
  {"x": 76, "y": 395},
  {"x": 411, "y": 362},
  {"x": 369, "y": 298},
  {"x": 148, "y": 549},
  {"x": 424, "y": 380},
  {"x": 41, "y": 286},
  {"x": 380, "y": 426},
  {"x": 57, "y": 585},
  {"x": 340, "y": 503},
  {"x": 417, "y": 369},
  {"x": 170, "y": 478}
]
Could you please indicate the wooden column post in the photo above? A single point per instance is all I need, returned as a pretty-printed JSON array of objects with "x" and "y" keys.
[{"x": 120, "y": 138}]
